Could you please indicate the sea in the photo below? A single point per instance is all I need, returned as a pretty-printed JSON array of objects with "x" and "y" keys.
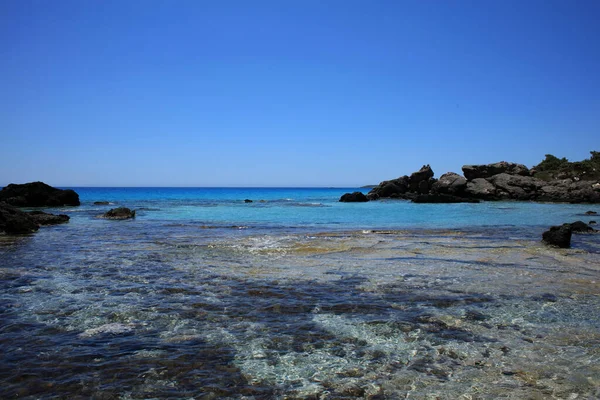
[{"x": 286, "y": 293}]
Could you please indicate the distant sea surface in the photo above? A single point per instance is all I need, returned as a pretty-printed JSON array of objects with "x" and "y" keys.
[
  {"x": 296, "y": 295},
  {"x": 312, "y": 209}
]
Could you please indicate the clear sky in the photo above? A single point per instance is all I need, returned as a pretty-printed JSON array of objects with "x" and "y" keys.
[{"x": 291, "y": 93}]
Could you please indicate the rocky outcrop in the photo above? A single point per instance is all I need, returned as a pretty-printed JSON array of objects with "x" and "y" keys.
[
  {"x": 119, "y": 213},
  {"x": 491, "y": 182},
  {"x": 559, "y": 236},
  {"x": 356, "y": 197},
  {"x": 38, "y": 194}
]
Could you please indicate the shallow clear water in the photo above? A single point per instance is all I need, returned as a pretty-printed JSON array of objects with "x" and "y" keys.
[{"x": 205, "y": 296}]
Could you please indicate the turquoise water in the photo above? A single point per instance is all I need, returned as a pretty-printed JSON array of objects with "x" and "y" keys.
[
  {"x": 298, "y": 296},
  {"x": 317, "y": 208}
]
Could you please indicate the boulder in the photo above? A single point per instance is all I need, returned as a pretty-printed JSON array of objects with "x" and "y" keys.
[
  {"x": 101, "y": 203},
  {"x": 487, "y": 170},
  {"x": 515, "y": 187},
  {"x": 591, "y": 213},
  {"x": 442, "y": 198},
  {"x": 390, "y": 189},
  {"x": 581, "y": 227},
  {"x": 356, "y": 197},
  {"x": 593, "y": 222},
  {"x": 559, "y": 236},
  {"x": 119, "y": 213},
  {"x": 42, "y": 218},
  {"x": 248, "y": 201},
  {"x": 450, "y": 183},
  {"x": 15, "y": 221},
  {"x": 38, "y": 194},
  {"x": 480, "y": 188}
]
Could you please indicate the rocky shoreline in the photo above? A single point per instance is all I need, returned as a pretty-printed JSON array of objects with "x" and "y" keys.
[{"x": 489, "y": 182}]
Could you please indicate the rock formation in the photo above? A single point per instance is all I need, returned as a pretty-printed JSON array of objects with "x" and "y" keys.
[
  {"x": 498, "y": 181},
  {"x": 38, "y": 194}
]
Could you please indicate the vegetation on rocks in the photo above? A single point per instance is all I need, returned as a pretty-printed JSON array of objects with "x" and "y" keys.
[{"x": 553, "y": 167}]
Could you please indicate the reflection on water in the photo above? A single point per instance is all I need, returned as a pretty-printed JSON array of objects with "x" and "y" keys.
[{"x": 180, "y": 311}]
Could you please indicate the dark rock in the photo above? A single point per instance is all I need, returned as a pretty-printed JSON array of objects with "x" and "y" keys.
[
  {"x": 559, "y": 236},
  {"x": 485, "y": 171},
  {"x": 591, "y": 213},
  {"x": 450, "y": 183},
  {"x": 423, "y": 187},
  {"x": 424, "y": 174},
  {"x": 442, "y": 198},
  {"x": 515, "y": 187},
  {"x": 119, "y": 213},
  {"x": 247, "y": 201},
  {"x": 101, "y": 203},
  {"x": 581, "y": 227},
  {"x": 356, "y": 197},
  {"x": 390, "y": 189},
  {"x": 480, "y": 188},
  {"x": 15, "y": 221},
  {"x": 42, "y": 218},
  {"x": 593, "y": 222},
  {"x": 38, "y": 194}
]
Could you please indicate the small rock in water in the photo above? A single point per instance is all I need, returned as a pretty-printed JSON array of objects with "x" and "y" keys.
[
  {"x": 101, "y": 203},
  {"x": 559, "y": 236},
  {"x": 248, "y": 201},
  {"x": 593, "y": 222},
  {"x": 119, "y": 213},
  {"x": 591, "y": 213}
]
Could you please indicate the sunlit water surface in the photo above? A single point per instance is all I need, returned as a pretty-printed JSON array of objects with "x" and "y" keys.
[{"x": 299, "y": 296}]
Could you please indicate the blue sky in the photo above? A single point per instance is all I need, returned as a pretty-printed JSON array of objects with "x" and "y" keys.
[{"x": 291, "y": 93}]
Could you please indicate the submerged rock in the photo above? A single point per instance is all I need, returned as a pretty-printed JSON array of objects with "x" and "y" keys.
[
  {"x": 15, "y": 221},
  {"x": 591, "y": 213},
  {"x": 101, "y": 203},
  {"x": 248, "y": 201},
  {"x": 559, "y": 236},
  {"x": 42, "y": 218},
  {"x": 356, "y": 197},
  {"x": 119, "y": 213},
  {"x": 38, "y": 194}
]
